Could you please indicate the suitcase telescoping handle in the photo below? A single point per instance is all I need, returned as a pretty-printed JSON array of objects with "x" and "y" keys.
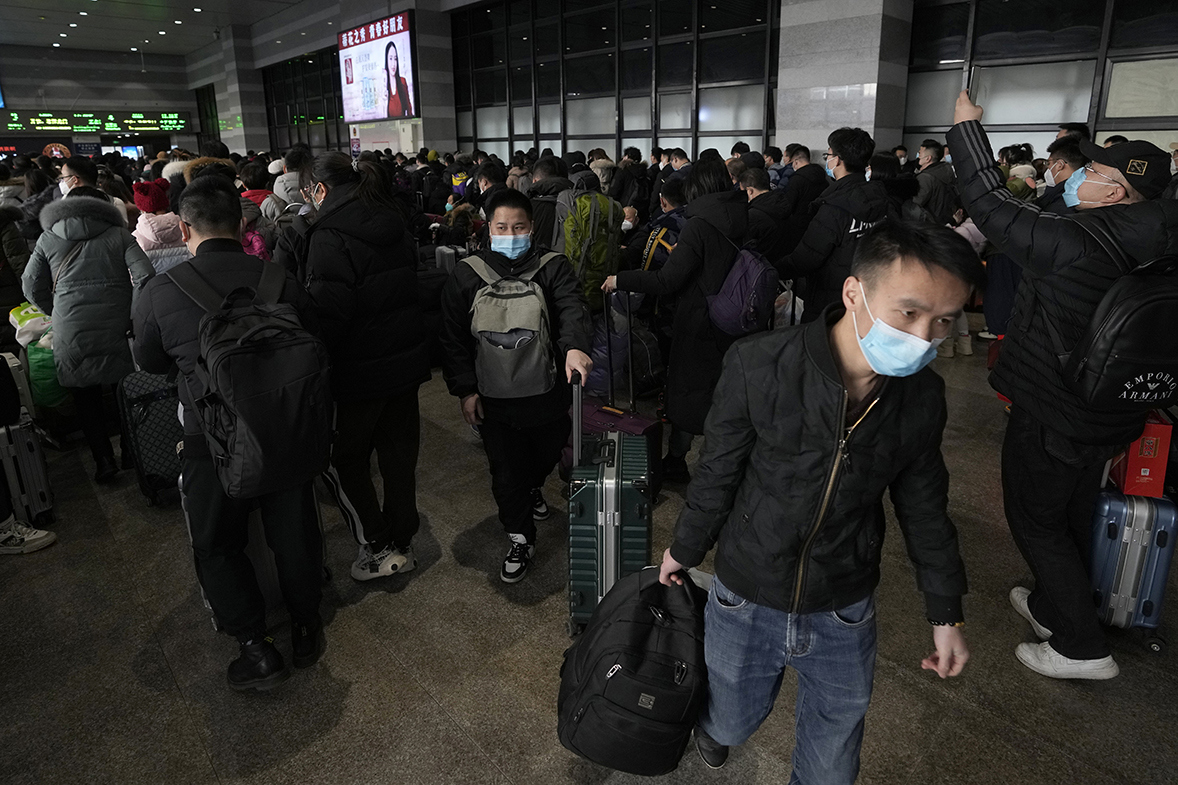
[
  {"x": 629, "y": 349},
  {"x": 577, "y": 418}
]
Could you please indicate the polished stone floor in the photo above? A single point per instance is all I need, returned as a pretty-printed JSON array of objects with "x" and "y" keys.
[{"x": 113, "y": 674}]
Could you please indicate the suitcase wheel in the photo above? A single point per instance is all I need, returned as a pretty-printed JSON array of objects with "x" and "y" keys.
[{"x": 1156, "y": 643}]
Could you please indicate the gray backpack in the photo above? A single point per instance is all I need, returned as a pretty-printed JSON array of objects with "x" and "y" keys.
[{"x": 509, "y": 320}]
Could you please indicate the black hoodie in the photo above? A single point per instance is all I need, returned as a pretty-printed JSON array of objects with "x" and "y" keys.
[{"x": 543, "y": 194}]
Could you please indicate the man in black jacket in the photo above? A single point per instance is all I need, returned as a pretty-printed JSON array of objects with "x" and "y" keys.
[
  {"x": 166, "y": 322},
  {"x": 523, "y": 436},
  {"x": 1056, "y": 446},
  {"x": 1063, "y": 160},
  {"x": 843, "y": 214},
  {"x": 767, "y": 214},
  {"x": 808, "y": 429},
  {"x": 937, "y": 196},
  {"x": 547, "y": 184},
  {"x": 806, "y": 183}
]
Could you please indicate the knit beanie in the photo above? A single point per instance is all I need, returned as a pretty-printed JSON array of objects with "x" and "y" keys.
[
  {"x": 152, "y": 196},
  {"x": 433, "y": 155}
]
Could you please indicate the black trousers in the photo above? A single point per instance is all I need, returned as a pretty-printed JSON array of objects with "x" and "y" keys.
[
  {"x": 92, "y": 416},
  {"x": 392, "y": 428},
  {"x": 1050, "y": 486},
  {"x": 521, "y": 460},
  {"x": 219, "y": 529}
]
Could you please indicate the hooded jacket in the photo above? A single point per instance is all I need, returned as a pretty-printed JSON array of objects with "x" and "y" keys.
[
  {"x": 1065, "y": 276},
  {"x": 360, "y": 269},
  {"x": 286, "y": 188},
  {"x": 519, "y": 178},
  {"x": 845, "y": 212},
  {"x": 543, "y": 196},
  {"x": 796, "y": 503},
  {"x": 717, "y": 225},
  {"x": 159, "y": 236},
  {"x": 90, "y": 298},
  {"x": 630, "y": 186},
  {"x": 12, "y": 192},
  {"x": 14, "y": 256},
  {"x": 605, "y": 170}
]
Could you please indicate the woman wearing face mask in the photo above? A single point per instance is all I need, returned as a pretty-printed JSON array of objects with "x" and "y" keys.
[
  {"x": 400, "y": 103},
  {"x": 358, "y": 262}
]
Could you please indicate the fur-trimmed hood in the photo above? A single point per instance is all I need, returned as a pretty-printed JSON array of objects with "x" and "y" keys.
[
  {"x": 194, "y": 167},
  {"x": 12, "y": 188},
  {"x": 174, "y": 169},
  {"x": 81, "y": 217}
]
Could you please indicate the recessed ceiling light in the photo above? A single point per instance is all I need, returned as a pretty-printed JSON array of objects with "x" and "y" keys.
[
  {"x": 134, "y": 49},
  {"x": 82, "y": 13},
  {"x": 197, "y": 10},
  {"x": 162, "y": 32},
  {"x": 63, "y": 35},
  {"x": 55, "y": 46},
  {"x": 179, "y": 22},
  {"x": 331, "y": 23},
  {"x": 73, "y": 24},
  {"x": 278, "y": 41},
  {"x": 302, "y": 33}
]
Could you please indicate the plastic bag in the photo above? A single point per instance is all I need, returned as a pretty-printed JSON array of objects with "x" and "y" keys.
[
  {"x": 30, "y": 323},
  {"x": 47, "y": 391}
]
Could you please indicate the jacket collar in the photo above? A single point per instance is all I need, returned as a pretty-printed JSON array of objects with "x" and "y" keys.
[
  {"x": 218, "y": 245},
  {"x": 817, "y": 339}
]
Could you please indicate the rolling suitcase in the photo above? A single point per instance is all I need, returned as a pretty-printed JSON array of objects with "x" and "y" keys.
[
  {"x": 446, "y": 256},
  {"x": 17, "y": 368},
  {"x": 1132, "y": 545},
  {"x": 148, "y": 406},
  {"x": 609, "y": 515},
  {"x": 26, "y": 472}
]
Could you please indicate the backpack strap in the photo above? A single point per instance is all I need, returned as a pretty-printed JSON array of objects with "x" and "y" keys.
[
  {"x": 271, "y": 284},
  {"x": 483, "y": 269},
  {"x": 189, "y": 281},
  {"x": 1109, "y": 244},
  {"x": 545, "y": 259}
]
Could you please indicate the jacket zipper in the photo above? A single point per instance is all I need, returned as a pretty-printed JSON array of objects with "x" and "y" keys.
[{"x": 841, "y": 458}]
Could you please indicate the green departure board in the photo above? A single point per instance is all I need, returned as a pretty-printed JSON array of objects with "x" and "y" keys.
[{"x": 117, "y": 122}]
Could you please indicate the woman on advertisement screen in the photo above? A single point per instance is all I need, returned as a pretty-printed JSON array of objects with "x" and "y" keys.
[{"x": 400, "y": 103}]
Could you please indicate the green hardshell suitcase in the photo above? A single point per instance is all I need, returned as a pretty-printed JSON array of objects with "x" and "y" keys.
[{"x": 609, "y": 514}]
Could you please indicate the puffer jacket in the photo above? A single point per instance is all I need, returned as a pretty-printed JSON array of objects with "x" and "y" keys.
[
  {"x": 361, "y": 271},
  {"x": 795, "y": 501},
  {"x": 286, "y": 187},
  {"x": 768, "y": 224},
  {"x": 844, "y": 213},
  {"x": 14, "y": 257},
  {"x": 519, "y": 178},
  {"x": 12, "y": 192},
  {"x": 717, "y": 224},
  {"x": 31, "y": 210},
  {"x": 91, "y": 300},
  {"x": 938, "y": 192},
  {"x": 1065, "y": 276},
  {"x": 159, "y": 236}
]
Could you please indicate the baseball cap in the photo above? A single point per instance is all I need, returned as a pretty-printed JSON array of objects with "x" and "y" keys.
[{"x": 1144, "y": 165}]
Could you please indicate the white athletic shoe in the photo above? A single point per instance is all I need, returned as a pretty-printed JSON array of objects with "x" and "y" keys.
[
  {"x": 1044, "y": 660},
  {"x": 17, "y": 537},
  {"x": 369, "y": 565},
  {"x": 1019, "y": 597}
]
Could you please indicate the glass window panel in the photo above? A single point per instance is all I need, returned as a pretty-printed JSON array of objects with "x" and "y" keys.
[
  {"x": 585, "y": 116},
  {"x": 490, "y": 87},
  {"x": 585, "y": 32},
  {"x": 729, "y": 14},
  {"x": 675, "y": 66},
  {"x": 552, "y": 145},
  {"x": 488, "y": 49},
  {"x": 642, "y": 143},
  {"x": 674, "y": 17},
  {"x": 524, "y": 143},
  {"x": 931, "y": 96},
  {"x": 585, "y": 145},
  {"x": 588, "y": 75},
  {"x": 550, "y": 119},
  {"x": 546, "y": 9},
  {"x": 521, "y": 85},
  {"x": 519, "y": 43},
  {"x": 501, "y": 149},
  {"x": 520, "y": 11},
  {"x": 732, "y": 108},
  {"x": 938, "y": 34},
  {"x": 723, "y": 144},
  {"x": 1139, "y": 23},
  {"x": 318, "y": 138},
  {"x": 675, "y": 110},
  {"x": 489, "y": 18},
  {"x": 636, "y": 113},
  {"x": 315, "y": 112},
  {"x": 736, "y": 57},
  {"x": 548, "y": 80},
  {"x": 1162, "y": 139},
  {"x": 1038, "y": 93},
  {"x": 1036, "y": 27},
  {"x": 671, "y": 142},
  {"x": 462, "y": 91},
  {"x": 465, "y": 124},
  {"x": 283, "y": 136},
  {"x": 1145, "y": 88},
  {"x": 636, "y": 69},
  {"x": 637, "y": 21},
  {"x": 521, "y": 117},
  {"x": 547, "y": 42},
  {"x": 491, "y": 122}
]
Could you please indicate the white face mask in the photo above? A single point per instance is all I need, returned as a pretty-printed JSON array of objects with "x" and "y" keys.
[
  {"x": 627, "y": 226},
  {"x": 63, "y": 186},
  {"x": 903, "y": 160},
  {"x": 1049, "y": 176}
]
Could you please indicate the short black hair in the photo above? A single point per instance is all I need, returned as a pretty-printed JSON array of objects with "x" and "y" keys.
[
  {"x": 1116, "y": 139},
  {"x": 84, "y": 168},
  {"x": 928, "y": 244},
  {"x": 800, "y": 151},
  {"x": 736, "y": 168},
  {"x": 214, "y": 148},
  {"x": 935, "y": 148},
  {"x": 633, "y": 153},
  {"x": 255, "y": 175},
  {"x": 679, "y": 153},
  {"x": 898, "y": 148},
  {"x": 757, "y": 179},
  {"x": 740, "y": 148},
  {"x": 885, "y": 166},
  {"x": 711, "y": 154},
  {"x": 1067, "y": 150},
  {"x": 789, "y": 149},
  {"x": 656, "y": 152},
  {"x": 853, "y": 146},
  {"x": 211, "y": 205},
  {"x": 1078, "y": 130},
  {"x": 673, "y": 191},
  {"x": 509, "y": 198},
  {"x": 297, "y": 158},
  {"x": 548, "y": 166},
  {"x": 492, "y": 172},
  {"x": 773, "y": 153},
  {"x": 707, "y": 177}
]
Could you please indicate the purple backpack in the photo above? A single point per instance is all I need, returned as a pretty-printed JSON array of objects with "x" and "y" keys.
[{"x": 744, "y": 303}]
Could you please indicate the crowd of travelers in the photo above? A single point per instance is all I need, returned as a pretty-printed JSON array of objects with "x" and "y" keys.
[{"x": 800, "y": 428}]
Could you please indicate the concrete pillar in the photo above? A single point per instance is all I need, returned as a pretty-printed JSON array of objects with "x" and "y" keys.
[
  {"x": 842, "y": 63},
  {"x": 241, "y": 100}
]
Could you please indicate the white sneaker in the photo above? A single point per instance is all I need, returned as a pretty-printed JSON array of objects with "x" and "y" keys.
[
  {"x": 1019, "y": 597},
  {"x": 515, "y": 566},
  {"x": 945, "y": 349},
  {"x": 963, "y": 345},
  {"x": 1044, "y": 660},
  {"x": 17, "y": 537},
  {"x": 369, "y": 565}
]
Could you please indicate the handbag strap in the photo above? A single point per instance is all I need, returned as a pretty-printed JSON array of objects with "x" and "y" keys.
[{"x": 70, "y": 255}]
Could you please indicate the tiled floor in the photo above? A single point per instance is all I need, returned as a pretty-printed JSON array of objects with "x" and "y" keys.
[{"x": 112, "y": 673}]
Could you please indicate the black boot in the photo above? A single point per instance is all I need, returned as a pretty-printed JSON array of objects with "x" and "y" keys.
[
  {"x": 307, "y": 642},
  {"x": 675, "y": 469},
  {"x": 259, "y": 667},
  {"x": 106, "y": 469}
]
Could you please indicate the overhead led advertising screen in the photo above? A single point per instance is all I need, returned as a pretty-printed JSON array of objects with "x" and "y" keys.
[
  {"x": 94, "y": 122},
  {"x": 376, "y": 70}
]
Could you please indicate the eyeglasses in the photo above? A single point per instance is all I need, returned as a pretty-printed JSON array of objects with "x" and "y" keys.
[
  {"x": 827, "y": 156},
  {"x": 1088, "y": 167}
]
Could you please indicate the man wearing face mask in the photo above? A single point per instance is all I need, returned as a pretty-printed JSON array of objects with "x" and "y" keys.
[
  {"x": 1063, "y": 160},
  {"x": 514, "y": 383},
  {"x": 808, "y": 428},
  {"x": 1056, "y": 445}
]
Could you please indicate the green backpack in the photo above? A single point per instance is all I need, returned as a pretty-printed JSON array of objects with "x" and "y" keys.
[{"x": 588, "y": 231}]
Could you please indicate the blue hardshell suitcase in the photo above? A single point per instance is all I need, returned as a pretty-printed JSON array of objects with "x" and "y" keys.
[{"x": 1132, "y": 545}]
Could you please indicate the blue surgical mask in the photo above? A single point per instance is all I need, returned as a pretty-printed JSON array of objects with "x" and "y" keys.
[
  {"x": 829, "y": 172},
  {"x": 513, "y": 246},
  {"x": 893, "y": 352},
  {"x": 867, "y": 174},
  {"x": 948, "y": 158},
  {"x": 449, "y": 206},
  {"x": 1071, "y": 188}
]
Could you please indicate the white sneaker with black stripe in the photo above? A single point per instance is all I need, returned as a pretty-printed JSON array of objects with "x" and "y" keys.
[
  {"x": 540, "y": 511},
  {"x": 515, "y": 566},
  {"x": 369, "y": 565},
  {"x": 17, "y": 537}
]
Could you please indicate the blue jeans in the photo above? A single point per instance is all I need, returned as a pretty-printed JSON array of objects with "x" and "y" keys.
[{"x": 748, "y": 646}]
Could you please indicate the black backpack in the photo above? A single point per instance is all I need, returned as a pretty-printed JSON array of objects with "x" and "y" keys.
[
  {"x": 634, "y": 682},
  {"x": 1127, "y": 358},
  {"x": 267, "y": 410}
]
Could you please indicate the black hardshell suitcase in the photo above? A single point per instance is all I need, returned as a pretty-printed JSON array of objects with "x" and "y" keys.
[
  {"x": 149, "y": 410},
  {"x": 609, "y": 515},
  {"x": 26, "y": 472}
]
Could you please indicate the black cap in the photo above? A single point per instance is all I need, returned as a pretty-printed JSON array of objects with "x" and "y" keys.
[{"x": 1143, "y": 164}]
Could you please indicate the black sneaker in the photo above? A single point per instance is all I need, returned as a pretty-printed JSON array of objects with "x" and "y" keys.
[
  {"x": 307, "y": 641},
  {"x": 105, "y": 470},
  {"x": 258, "y": 667},
  {"x": 715, "y": 754},
  {"x": 515, "y": 566},
  {"x": 540, "y": 511},
  {"x": 675, "y": 470}
]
